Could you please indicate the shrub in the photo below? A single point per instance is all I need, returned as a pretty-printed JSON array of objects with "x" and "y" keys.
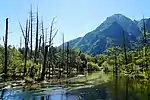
[
  {"x": 93, "y": 67},
  {"x": 107, "y": 67}
]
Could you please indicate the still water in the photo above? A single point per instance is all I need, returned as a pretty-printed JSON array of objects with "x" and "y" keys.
[
  {"x": 119, "y": 89},
  {"x": 52, "y": 93},
  {"x": 56, "y": 93}
]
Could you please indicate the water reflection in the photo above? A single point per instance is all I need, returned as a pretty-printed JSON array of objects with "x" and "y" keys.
[
  {"x": 118, "y": 89},
  {"x": 33, "y": 98},
  {"x": 42, "y": 97},
  {"x": 54, "y": 93},
  {"x": 2, "y": 94}
]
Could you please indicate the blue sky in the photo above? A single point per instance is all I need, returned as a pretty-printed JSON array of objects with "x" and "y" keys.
[{"x": 74, "y": 17}]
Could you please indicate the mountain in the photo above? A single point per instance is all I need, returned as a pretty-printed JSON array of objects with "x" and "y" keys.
[
  {"x": 72, "y": 42},
  {"x": 126, "y": 23},
  {"x": 147, "y": 24},
  {"x": 97, "y": 41},
  {"x": 110, "y": 33}
]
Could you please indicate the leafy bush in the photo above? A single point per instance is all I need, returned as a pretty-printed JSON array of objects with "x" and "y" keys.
[
  {"x": 100, "y": 58},
  {"x": 93, "y": 67},
  {"x": 107, "y": 67}
]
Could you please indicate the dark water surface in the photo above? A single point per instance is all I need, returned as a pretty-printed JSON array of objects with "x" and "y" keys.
[
  {"x": 52, "y": 93},
  {"x": 56, "y": 93},
  {"x": 114, "y": 90}
]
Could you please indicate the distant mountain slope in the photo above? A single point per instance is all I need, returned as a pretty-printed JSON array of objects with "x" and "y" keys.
[
  {"x": 110, "y": 33},
  {"x": 147, "y": 24},
  {"x": 97, "y": 41},
  {"x": 126, "y": 23},
  {"x": 72, "y": 42}
]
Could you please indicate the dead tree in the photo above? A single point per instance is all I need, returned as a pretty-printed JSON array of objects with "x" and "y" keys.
[
  {"x": 43, "y": 37},
  {"x": 6, "y": 54},
  {"x": 20, "y": 42},
  {"x": 44, "y": 64},
  {"x": 26, "y": 46},
  {"x": 46, "y": 51},
  {"x": 45, "y": 60},
  {"x": 63, "y": 54},
  {"x": 40, "y": 43},
  {"x": 63, "y": 49},
  {"x": 26, "y": 38},
  {"x": 36, "y": 43},
  {"x": 67, "y": 59},
  {"x": 39, "y": 49},
  {"x": 31, "y": 20},
  {"x": 50, "y": 46}
]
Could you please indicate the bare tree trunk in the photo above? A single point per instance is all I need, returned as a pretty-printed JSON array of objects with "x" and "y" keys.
[
  {"x": 36, "y": 44},
  {"x": 44, "y": 64},
  {"x": 26, "y": 47},
  {"x": 63, "y": 48},
  {"x": 50, "y": 47},
  {"x": 50, "y": 53},
  {"x": 6, "y": 55},
  {"x": 43, "y": 42},
  {"x": 52, "y": 61},
  {"x": 45, "y": 37},
  {"x": 27, "y": 35},
  {"x": 67, "y": 59},
  {"x": 20, "y": 42},
  {"x": 31, "y": 33},
  {"x": 63, "y": 63},
  {"x": 40, "y": 43}
]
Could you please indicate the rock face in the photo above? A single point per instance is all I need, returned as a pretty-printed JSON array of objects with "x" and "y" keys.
[{"x": 110, "y": 33}]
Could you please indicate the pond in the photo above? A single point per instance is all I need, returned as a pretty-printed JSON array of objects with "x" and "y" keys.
[
  {"x": 90, "y": 88},
  {"x": 48, "y": 93},
  {"x": 101, "y": 92},
  {"x": 56, "y": 93}
]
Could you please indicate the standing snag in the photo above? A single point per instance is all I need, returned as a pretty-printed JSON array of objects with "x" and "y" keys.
[
  {"x": 6, "y": 54},
  {"x": 44, "y": 64},
  {"x": 36, "y": 38}
]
